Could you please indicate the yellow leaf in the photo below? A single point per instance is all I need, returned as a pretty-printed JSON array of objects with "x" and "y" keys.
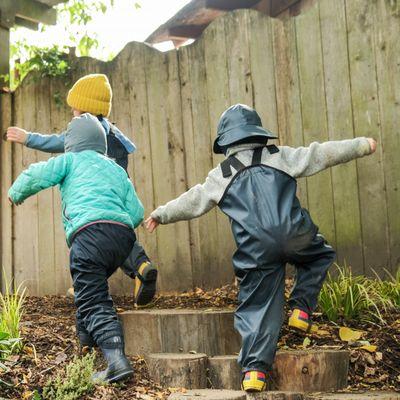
[
  {"x": 349, "y": 335},
  {"x": 369, "y": 347},
  {"x": 322, "y": 332},
  {"x": 27, "y": 395}
]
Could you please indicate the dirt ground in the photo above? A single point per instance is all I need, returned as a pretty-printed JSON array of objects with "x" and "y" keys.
[{"x": 49, "y": 335}]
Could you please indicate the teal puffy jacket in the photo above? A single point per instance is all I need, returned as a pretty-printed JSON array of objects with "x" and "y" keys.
[{"x": 93, "y": 188}]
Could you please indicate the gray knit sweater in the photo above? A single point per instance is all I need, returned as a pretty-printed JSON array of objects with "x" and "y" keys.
[{"x": 296, "y": 162}]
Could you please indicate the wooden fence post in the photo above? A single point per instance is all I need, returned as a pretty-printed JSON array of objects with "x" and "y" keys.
[{"x": 6, "y": 235}]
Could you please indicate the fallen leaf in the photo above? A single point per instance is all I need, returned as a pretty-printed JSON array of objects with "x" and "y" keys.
[
  {"x": 306, "y": 342},
  {"x": 349, "y": 335},
  {"x": 369, "y": 347}
]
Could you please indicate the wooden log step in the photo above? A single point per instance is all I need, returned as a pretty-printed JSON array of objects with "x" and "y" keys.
[
  {"x": 311, "y": 370},
  {"x": 174, "y": 331},
  {"x": 214, "y": 394},
  {"x": 299, "y": 371},
  {"x": 372, "y": 395},
  {"x": 208, "y": 394},
  {"x": 178, "y": 370}
]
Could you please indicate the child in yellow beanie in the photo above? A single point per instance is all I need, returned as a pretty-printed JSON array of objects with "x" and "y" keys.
[{"x": 93, "y": 94}]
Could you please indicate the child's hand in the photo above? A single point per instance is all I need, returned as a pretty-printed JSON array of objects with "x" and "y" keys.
[
  {"x": 15, "y": 134},
  {"x": 151, "y": 224},
  {"x": 372, "y": 144}
]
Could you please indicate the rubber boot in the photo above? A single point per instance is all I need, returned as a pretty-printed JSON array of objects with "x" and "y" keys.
[
  {"x": 85, "y": 340},
  {"x": 118, "y": 366}
]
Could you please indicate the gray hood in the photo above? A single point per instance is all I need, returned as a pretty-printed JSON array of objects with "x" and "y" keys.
[{"x": 85, "y": 133}]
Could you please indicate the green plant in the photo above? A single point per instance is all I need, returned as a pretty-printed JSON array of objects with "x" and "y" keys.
[
  {"x": 45, "y": 61},
  {"x": 389, "y": 290},
  {"x": 11, "y": 310},
  {"x": 74, "y": 383},
  {"x": 350, "y": 297}
]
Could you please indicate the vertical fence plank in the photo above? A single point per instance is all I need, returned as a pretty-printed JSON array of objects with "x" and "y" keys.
[
  {"x": 340, "y": 126},
  {"x": 218, "y": 100},
  {"x": 47, "y": 272},
  {"x": 168, "y": 167},
  {"x": 238, "y": 57},
  {"x": 387, "y": 50},
  {"x": 6, "y": 220},
  {"x": 60, "y": 115},
  {"x": 308, "y": 39},
  {"x": 263, "y": 69},
  {"x": 288, "y": 106},
  {"x": 138, "y": 107},
  {"x": 364, "y": 92},
  {"x": 26, "y": 215},
  {"x": 116, "y": 71}
]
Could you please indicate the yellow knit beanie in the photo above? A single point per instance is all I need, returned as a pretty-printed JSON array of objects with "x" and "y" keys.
[{"x": 92, "y": 94}]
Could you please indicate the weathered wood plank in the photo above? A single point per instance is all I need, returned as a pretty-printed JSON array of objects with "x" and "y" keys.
[
  {"x": 198, "y": 147},
  {"x": 263, "y": 68},
  {"x": 168, "y": 168},
  {"x": 313, "y": 108},
  {"x": 238, "y": 57},
  {"x": 288, "y": 106},
  {"x": 6, "y": 219},
  {"x": 218, "y": 101},
  {"x": 47, "y": 272},
  {"x": 141, "y": 160},
  {"x": 116, "y": 71},
  {"x": 387, "y": 54},
  {"x": 26, "y": 215},
  {"x": 60, "y": 115},
  {"x": 340, "y": 126},
  {"x": 364, "y": 92}
]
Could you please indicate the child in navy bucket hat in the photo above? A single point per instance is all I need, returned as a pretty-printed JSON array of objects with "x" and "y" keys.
[{"x": 255, "y": 186}]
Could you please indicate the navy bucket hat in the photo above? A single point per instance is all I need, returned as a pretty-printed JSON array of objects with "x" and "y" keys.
[{"x": 239, "y": 122}]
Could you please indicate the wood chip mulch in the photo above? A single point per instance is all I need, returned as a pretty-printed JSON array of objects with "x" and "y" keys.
[{"x": 48, "y": 330}]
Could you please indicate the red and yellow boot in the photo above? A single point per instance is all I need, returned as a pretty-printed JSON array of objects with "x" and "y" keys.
[
  {"x": 301, "y": 321},
  {"x": 254, "y": 381}
]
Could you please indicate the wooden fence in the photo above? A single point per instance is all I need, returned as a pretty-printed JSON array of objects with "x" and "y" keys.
[{"x": 331, "y": 73}]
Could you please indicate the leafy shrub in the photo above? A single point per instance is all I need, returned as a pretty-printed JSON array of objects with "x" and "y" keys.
[{"x": 76, "y": 381}]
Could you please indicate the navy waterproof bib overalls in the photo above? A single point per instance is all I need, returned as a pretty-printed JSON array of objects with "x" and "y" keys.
[{"x": 270, "y": 229}]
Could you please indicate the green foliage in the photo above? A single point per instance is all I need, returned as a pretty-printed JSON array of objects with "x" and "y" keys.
[
  {"x": 74, "y": 383},
  {"x": 389, "y": 290},
  {"x": 350, "y": 297},
  {"x": 11, "y": 310},
  {"x": 44, "y": 61}
]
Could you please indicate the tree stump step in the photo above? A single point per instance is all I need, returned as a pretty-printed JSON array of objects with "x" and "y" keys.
[
  {"x": 208, "y": 394},
  {"x": 175, "y": 331},
  {"x": 372, "y": 395},
  {"x": 178, "y": 370},
  {"x": 316, "y": 370}
]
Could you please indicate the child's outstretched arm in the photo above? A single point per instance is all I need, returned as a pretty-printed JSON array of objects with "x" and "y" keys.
[
  {"x": 37, "y": 177},
  {"x": 307, "y": 161},
  {"x": 195, "y": 202},
  {"x": 47, "y": 143}
]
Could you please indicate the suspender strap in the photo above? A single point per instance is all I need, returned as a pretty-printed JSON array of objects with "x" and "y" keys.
[
  {"x": 226, "y": 165},
  {"x": 257, "y": 154},
  {"x": 272, "y": 149}
]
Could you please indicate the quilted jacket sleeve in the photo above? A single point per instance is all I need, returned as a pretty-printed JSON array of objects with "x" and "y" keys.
[
  {"x": 133, "y": 205},
  {"x": 39, "y": 176}
]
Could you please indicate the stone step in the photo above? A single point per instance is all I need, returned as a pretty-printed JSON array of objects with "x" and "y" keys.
[
  {"x": 180, "y": 331},
  {"x": 214, "y": 394},
  {"x": 294, "y": 371}
]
